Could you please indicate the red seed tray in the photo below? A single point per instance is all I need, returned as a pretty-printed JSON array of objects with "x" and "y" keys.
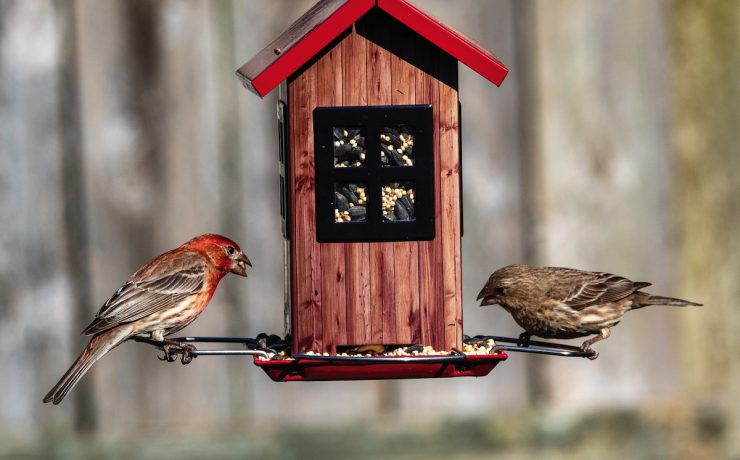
[{"x": 324, "y": 368}]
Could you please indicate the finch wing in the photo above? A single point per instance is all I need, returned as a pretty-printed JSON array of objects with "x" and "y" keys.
[
  {"x": 162, "y": 283},
  {"x": 592, "y": 288}
]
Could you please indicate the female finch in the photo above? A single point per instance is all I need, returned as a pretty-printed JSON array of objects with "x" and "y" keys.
[
  {"x": 161, "y": 298},
  {"x": 565, "y": 303}
]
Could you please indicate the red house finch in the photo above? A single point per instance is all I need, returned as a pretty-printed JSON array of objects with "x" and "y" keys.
[
  {"x": 161, "y": 298},
  {"x": 564, "y": 303}
]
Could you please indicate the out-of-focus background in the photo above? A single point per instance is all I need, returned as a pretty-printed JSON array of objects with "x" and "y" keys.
[{"x": 610, "y": 146}]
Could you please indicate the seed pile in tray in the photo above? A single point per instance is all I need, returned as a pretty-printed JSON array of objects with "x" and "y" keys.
[
  {"x": 280, "y": 349},
  {"x": 398, "y": 202},
  {"x": 350, "y": 203},
  {"x": 397, "y": 146},
  {"x": 277, "y": 347},
  {"x": 349, "y": 148},
  {"x": 478, "y": 345}
]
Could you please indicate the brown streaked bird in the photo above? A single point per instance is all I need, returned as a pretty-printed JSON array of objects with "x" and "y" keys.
[
  {"x": 565, "y": 303},
  {"x": 162, "y": 297}
]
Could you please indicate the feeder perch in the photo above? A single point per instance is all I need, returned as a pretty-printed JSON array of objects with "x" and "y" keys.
[{"x": 286, "y": 367}]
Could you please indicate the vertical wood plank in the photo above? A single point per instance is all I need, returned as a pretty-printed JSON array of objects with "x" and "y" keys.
[
  {"x": 382, "y": 269},
  {"x": 354, "y": 74},
  {"x": 430, "y": 252},
  {"x": 306, "y": 265},
  {"x": 408, "y": 326},
  {"x": 450, "y": 215},
  {"x": 333, "y": 291}
]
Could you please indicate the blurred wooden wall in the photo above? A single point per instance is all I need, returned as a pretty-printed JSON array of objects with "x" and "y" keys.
[{"x": 609, "y": 147}]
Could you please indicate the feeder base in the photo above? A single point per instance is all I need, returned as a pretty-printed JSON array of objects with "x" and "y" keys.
[{"x": 326, "y": 368}]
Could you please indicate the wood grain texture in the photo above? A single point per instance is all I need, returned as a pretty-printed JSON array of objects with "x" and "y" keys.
[
  {"x": 306, "y": 263},
  {"x": 382, "y": 269},
  {"x": 394, "y": 292},
  {"x": 450, "y": 215},
  {"x": 354, "y": 77},
  {"x": 333, "y": 269},
  {"x": 430, "y": 252},
  {"x": 406, "y": 255}
]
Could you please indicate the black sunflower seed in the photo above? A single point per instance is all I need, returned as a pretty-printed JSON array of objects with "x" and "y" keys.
[
  {"x": 400, "y": 211},
  {"x": 340, "y": 202},
  {"x": 350, "y": 195},
  {"x": 407, "y": 204},
  {"x": 358, "y": 213}
]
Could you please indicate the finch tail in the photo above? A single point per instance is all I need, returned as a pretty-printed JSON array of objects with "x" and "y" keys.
[
  {"x": 645, "y": 299},
  {"x": 99, "y": 345}
]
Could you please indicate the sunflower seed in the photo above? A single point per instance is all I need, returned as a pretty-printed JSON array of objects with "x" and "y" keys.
[
  {"x": 400, "y": 211},
  {"x": 358, "y": 213},
  {"x": 350, "y": 195},
  {"x": 340, "y": 202}
]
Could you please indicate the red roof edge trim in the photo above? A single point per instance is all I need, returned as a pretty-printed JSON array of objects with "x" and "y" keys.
[
  {"x": 446, "y": 39},
  {"x": 311, "y": 44}
]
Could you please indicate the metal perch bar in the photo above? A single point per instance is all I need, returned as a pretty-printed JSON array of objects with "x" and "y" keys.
[
  {"x": 538, "y": 347},
  {"x": 252, "y": 346}
]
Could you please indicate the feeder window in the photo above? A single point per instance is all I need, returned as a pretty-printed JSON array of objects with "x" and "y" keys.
[
  {"x": 374, "y": 173},
  {"x": 350, "y": 202},
  {"x": 349, "y": 147},
  {"x": 397, "y": 146}
]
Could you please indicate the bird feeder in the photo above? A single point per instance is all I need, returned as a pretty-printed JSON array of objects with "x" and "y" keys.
[{"x": 371, "y": 193}]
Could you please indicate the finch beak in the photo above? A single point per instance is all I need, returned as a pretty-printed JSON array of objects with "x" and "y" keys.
[
  {"x": 485, "y": 298},
  {"x": 488, "y": 301},
  {"x": 240, "y": 268}
]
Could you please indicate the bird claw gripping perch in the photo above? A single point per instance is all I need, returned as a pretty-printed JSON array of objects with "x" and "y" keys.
[{"x": 171, "y": 349}]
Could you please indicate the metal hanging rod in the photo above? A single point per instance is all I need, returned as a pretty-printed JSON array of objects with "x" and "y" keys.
[
  {"x": 252, "y": 347},
  {"x": 537, "y": 347}
]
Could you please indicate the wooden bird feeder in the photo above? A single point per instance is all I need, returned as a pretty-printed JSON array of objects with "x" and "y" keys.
[{"x": 370, "y": 183}]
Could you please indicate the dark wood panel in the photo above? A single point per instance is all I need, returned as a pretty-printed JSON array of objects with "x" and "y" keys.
[
  {"x": 382, "y": 269},
  {"x": 306, "y": 260},
  {"x": 430, "y": 252},
  {"x": 354, "y": 77},
  {"x": 334, "y": 271},
  {"x": 450, "y": 215},
  {"x": 406, "y": 258}
]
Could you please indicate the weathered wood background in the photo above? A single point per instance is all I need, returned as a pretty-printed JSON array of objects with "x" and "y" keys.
[{"x": 611, "y": 146}]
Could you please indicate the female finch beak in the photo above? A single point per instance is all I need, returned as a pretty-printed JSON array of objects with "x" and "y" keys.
[{"x": 240, "y": 267}]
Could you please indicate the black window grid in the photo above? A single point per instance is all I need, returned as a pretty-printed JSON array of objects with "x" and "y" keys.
[{"x": 374, "y": 174}]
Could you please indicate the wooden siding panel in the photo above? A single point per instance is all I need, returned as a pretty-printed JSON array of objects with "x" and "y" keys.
[
  {"x": 450, "y": 215},
  {"x": 334, "y": 271},
  {"x": 382, "y": 269},
  {"x": 406, "y": 254},
  {"x": 430, "y": 252},
  {"x": 354, "y": 78},
  {"x": 306, "y": 263}
]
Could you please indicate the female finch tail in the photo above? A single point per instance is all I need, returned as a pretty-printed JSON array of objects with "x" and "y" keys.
[
  {"x": 643, "y": 299},
  {"x": 99, "y": 345}
]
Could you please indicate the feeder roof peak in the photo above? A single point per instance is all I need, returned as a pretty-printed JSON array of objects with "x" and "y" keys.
[{"x": 328, "y": 19}]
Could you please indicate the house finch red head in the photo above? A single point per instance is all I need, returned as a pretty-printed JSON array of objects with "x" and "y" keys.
[
  {"x": 161, "y": 298},
  {"x": 564, "y": 303}
]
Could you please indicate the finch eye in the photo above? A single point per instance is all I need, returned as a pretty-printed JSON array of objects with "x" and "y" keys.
[
  {"x": 230, "y": 250},
  {"x": 498, "y": 291}
]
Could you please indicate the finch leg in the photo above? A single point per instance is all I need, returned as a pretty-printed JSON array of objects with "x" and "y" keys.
[
  {"x": 603, "y": 334},
  {"x": 172, "y": 347},
  {"x": 524, "y": 338}
]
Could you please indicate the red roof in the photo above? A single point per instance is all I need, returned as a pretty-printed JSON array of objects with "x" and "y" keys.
[{"x": 326, "y": 20}]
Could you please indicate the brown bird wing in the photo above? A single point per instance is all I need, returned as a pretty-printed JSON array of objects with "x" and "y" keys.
[
  {"x": 155, "y": 287},
  {"x": 589, "y": 288}
]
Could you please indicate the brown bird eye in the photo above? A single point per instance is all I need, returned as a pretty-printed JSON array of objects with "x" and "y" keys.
[{"x": 230, "y": 250}]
